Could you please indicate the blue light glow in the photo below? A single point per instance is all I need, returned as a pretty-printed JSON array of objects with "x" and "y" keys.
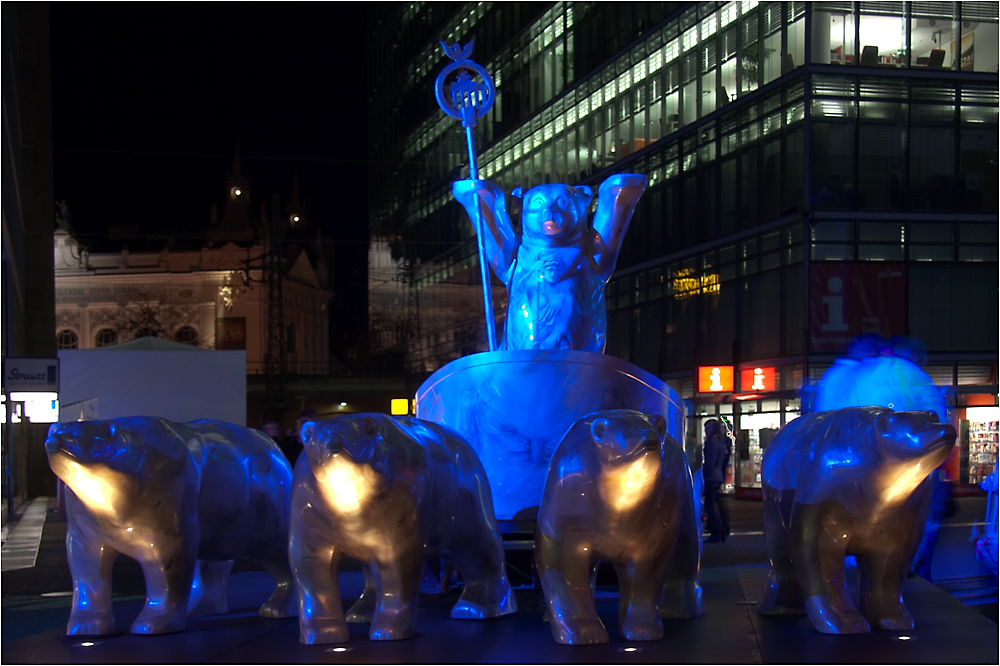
[{"x": 880, "y": 381}]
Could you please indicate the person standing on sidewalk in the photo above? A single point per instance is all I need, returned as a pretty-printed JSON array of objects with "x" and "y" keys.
[{"x": 717, "y": 453}]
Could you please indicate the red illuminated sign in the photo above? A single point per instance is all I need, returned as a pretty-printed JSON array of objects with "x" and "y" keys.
[
  {"x": 715, "y": 379},
  {"x": 757, "y": 379}
]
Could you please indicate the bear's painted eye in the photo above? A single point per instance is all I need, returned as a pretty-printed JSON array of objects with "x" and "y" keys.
[{"x": 563, "y": 202}]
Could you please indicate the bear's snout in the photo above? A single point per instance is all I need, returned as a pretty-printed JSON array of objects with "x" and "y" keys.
[{"x": 939, "y": 433}]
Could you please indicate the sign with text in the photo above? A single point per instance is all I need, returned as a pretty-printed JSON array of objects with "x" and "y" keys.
[
  {"x": 715, "y": 379},
  {"x": 757, "y": 379},
  {"x": 31, "y": 374},
  {"x": 851, "y": 298}
]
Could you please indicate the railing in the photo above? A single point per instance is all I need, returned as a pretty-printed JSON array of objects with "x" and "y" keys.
[{"x": 292, "y": 368}]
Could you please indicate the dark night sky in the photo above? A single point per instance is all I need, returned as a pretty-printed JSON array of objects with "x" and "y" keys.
[{"x": 149, "y": 100}]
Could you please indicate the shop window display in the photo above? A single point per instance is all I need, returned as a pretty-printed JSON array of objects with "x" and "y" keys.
[
  {"x": 759, "y": 430},
  {"x": 979, "y": 438}
]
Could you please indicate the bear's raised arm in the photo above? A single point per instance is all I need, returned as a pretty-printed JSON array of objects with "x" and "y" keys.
[
  {"x": 500, "y": 240},
  {"x": 616, "y": 199}
]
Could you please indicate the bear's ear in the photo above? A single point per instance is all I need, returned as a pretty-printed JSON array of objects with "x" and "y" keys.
[
  {"x": 369, "y": 426},
  {"x": 598, "y": 429},
  {"x": 584, "y": 195},
  {"x": 516, "y": 192},
  {"x": 884, "y": 423},
  {"x": 306, "y": 431},
  {"x": 659, "y": 424}
]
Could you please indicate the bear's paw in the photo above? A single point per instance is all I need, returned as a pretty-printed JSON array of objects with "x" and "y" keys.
[{"x": 323, "y": 631}]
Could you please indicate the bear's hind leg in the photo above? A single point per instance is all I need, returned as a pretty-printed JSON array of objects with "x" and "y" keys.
[
  {"x": 782, "y": 593},
  {"x": 564, "y": 571},
  {"x": 682, "y": 597},
  {"x": 90, "y": 563},
  {"x": 819, "y": 565},
  {"x": 209, "y": 588},
  {"x": 364, "y": 608},
  {"x": 487, "y": 592},
  {"x": 273, "y": 556}
]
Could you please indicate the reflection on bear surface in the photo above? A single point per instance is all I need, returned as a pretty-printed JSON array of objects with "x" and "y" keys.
[
  {"x": 556, "y": 266},
  {"x": 184, "y": 500},
  {"x": 618, "y": 489},
  {"x": 853, "y": 481},
  {"x": 390, "y": 492}
]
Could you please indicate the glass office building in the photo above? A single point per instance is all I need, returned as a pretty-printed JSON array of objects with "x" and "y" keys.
[{"x": 790, "y": 147}]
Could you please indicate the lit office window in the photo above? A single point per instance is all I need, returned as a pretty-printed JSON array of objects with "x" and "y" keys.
[
  {"x": 689, "y": 39},
  {"x": 709, "y": 26},
  {"x": 727, "y": 15}
]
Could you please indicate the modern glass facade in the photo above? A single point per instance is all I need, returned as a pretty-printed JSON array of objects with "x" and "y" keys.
[{"x": 780, "y": 139}]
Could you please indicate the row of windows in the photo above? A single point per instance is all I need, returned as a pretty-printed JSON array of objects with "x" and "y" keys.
[
  {"x": 68, "y": 339},
  {"x": 830, "y": 240},
  {"x": 680, "y": 74},
  {"x": 950, "y": 307},
  {"x": 709, "y": 184}
]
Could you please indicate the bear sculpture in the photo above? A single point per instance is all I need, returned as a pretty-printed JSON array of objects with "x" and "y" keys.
[
  {"x": 184, "y": 500},
  {"x": 390, "y": 492},
  {"x": 852, "y": 481},
  {"x": 618, "y": 489},
  {"x": 556, "y": 267}
]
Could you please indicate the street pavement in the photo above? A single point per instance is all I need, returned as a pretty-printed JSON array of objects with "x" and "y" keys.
[{"x": 37, "y": 599}]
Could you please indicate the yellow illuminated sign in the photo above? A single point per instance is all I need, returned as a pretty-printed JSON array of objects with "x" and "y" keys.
[
  {"x": 399, "y": 406},
  {"x": 687, "y": 284}
]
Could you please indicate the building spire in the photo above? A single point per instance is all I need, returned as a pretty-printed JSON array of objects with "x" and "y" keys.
[
  {"x": 296, "y": 209},
  {"x": 236, "y": 224}
]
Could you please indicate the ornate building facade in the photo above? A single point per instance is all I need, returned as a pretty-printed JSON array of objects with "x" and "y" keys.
[{"x": 217, "y": 296}]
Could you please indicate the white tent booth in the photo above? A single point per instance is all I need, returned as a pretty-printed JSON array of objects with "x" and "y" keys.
[{"x": 153, "y": 377}]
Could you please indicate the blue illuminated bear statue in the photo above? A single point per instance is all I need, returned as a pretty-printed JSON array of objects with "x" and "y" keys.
[
  {"x": 848, "y": 482},
  {"x": 556, "y": 267}
]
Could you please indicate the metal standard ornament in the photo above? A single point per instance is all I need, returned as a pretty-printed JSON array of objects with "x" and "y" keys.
[{"x": 468, "y": 100}]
